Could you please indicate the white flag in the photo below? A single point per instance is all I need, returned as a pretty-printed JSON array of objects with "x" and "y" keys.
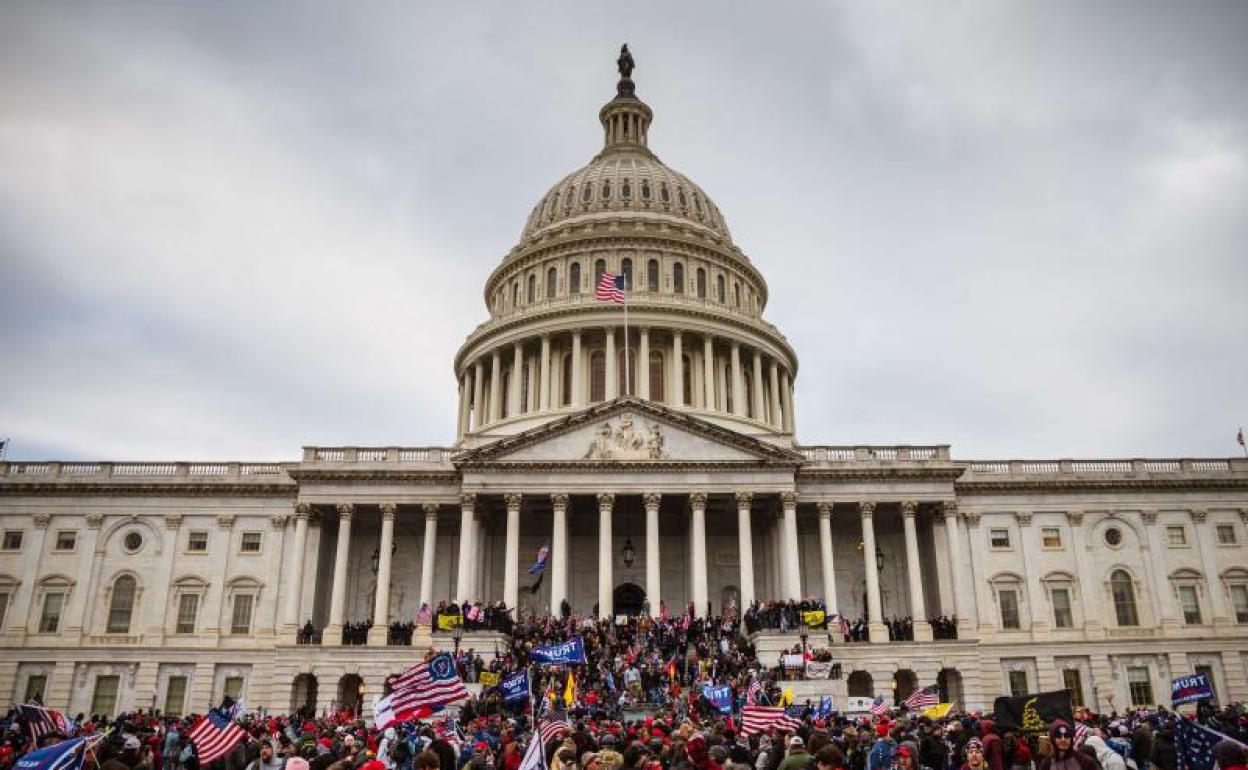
[{"x": 534, "y": 757}]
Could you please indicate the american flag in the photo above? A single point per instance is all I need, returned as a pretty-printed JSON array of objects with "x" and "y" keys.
[
  {"x": 755, "y": 719},
  {"x": 427, "y": 686},
  {"x": 752, "y": 692},
  {"x": 878, "y": 706},
  {"x": 923, "y": 697},
  {"x": 610, "y": 288},
  {"x": 214, "y": 735},
  {"x": 549, "y": 730},
  {"x": 41, "y": 721},
  {"x": 1195, "y": 744}
]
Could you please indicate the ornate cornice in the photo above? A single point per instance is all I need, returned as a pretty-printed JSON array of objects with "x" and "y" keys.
[
  {"x": 374, "y": 475},
  {"x": 146, "y": 488},
  {"x": 870, "y": 473},
  {"x": 972, "y": 486}
]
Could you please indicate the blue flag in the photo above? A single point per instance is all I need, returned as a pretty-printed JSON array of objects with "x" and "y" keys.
[
  {"x": 515, "y": 688},
  {"x": 825, "y": 706},
  {"x": 66, "y": 755},
  {"x": 1190, "y": 689},
  {"x": 720, "y": 697},
  {"x": 543, "y": 554},
  {"x": 568, "y": 652}
]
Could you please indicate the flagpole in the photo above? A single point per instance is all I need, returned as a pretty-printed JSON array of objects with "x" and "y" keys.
[{"x": 628, "y": 379}]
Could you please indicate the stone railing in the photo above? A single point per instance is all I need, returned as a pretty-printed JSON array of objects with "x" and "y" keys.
[
  {"x": 1104, "y": 467},
  {"x": 144, "y": 470},
  {"x": 875, "y": 455},
  {"x": 393, "y": 455}
]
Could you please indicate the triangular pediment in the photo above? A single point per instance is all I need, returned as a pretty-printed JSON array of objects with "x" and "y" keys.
[{"x": 629, "y": 431}]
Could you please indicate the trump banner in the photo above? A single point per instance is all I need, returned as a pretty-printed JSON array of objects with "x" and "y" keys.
[
  {"x": 568, "y": 652},
  {"x": 515, "y": 688},
  {"x": 1190, "y": 689},
  {"x": 720, "y": 697}
]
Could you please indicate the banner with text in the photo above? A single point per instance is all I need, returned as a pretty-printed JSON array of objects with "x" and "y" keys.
[
  {"x": 515, "y": 688},
  {"x": 568, "y": 652},
  {"x": 1190, "y": 689}
]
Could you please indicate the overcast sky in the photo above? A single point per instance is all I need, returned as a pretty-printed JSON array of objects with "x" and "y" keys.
[{"x": 231, "y": 229}]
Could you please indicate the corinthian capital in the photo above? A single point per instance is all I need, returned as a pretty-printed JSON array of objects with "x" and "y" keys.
[
  {"x": 697, "y": 499},
  {"x": 909, "y": 508},
  {"x": 468, "y": 500},
  {"x": 388, "y": 511},
  {"x": 1199, "y": 515},
  {"x": 512, "y": 500},
  {"x": 825, "y": 510},
  {"x": 866, "y": 509},
  {"x": 788, "y": 499},
  {"x": 559, "y": 500},
  {"x": 651, "y": 500},
  {"x": 345, "y": 511},
  {"x": 303, "y": 510},
  {"x": 744, "y": 498},
  {"x": 606, "y": 501}
]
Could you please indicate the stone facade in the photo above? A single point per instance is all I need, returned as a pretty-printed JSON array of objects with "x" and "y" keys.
[{"x": 658, "y": 459}]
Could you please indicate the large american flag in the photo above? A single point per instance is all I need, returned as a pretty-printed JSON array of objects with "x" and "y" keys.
[
  {"x": 755, "y": 719},
  {"x": 214, "y": 735},
  {"x": 610, "y": 288},
  {"x": 923, "y": 697},
  {"x": 1195, "y": 744},
  {"x": 753, "y": 692},
  {"x": 878, "y": 706},
  {"x": 41, "y": 721},
  {"x": 549, "y": 729},
  {"x": 427, "y": 686}
]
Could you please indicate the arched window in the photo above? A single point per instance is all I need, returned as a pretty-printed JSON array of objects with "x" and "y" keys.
[
  {"x": 531, "y": 295},
  {"x": 626, "y": 189},
  {"x": 574, "y": 278},
  {"x": 565, "y": 397},
  {"x": 697, "y": 203},
  {"x": 656, "y": 377},
  {"x": 645, "y": 189},
  {"x": 626, "y": 269},
  {"x": 1123, "y": 590},
  {"x": 606, "y": 189},
  {"x": 664, "y": 195},
  {"x": 652, "y": 275},
  {"x": 587, "y": 193},
  {"x": 121, "y": 605},
  {"x": 736, "y": 294},
  {"x": 678, "y": 278},
  {"x": 719, "y": 288},
  {"x": 701, "y": 283},
  {"x": 680, "y": 195},
  {"x": 597, "y": 376},
  {"x": 600, "y": 267},
  {"x": 552, "y": 278},
  {"x": 571, "y": 196},
  {"x": 515, "y": 294}
]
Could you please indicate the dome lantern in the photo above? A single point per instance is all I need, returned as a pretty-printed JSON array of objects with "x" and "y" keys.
[{"x": 625, "y": 119}]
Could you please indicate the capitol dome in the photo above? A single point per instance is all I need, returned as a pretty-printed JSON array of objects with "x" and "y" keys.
[{"x": 694, "y": 337}]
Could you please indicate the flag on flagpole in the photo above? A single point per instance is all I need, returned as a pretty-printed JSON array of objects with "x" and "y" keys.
[
  {"x": 551, "y": 728},
  {"x": 610, "y": 288},
  {"x": 569, "y": 692},
  {"x": 534, "y": 756},
  {"x": 41, "y": 720},
  {"x": 214, "y": 735},
  {"x": 878, "y": 706},
  {"x": 755, "y": 719},
  {"x": 1239, "y": 437},
  {"x": 923, "y": 697},
  {"x": 543, "y": 554},
  {"x": 416, "y": 692}
]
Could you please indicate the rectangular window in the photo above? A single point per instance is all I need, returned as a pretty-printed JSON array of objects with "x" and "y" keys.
[
  {"x": 1140, "y": 686},
  {"x": 999, "y": 538},
  {"x": 1226, "y": 534},
  {"x": 1208, "y": 672},
  {"x": 4, "y": 606},
  {"x": 233, "y": 687},
  {"x": 175, "y": 696},
  {"x": 1018, "y": 683},
  {"x": 197, "y": 541},
  {"x": 1062, "y": 616},
  {"x": 50, "y": 617},
  {"x": 240, "y": 622},
  {"x": 66, "y": 540},
  {"x": 1190, "y": 603},
  {"x": 1072, "y": 680},
  {"x": 1239, "y": 600},
  {"x": 1009, "y": 608},
  {"x": 1051, "y": 537},
  {"x": 1176, "y": 535},
  {"x": 188, "y": 608},
  {"x": 250, "y": 543},
  {"x": 36, "y": 687},
  {"x": 104, "y": 699},
  {"x": 12, "y": 540}
]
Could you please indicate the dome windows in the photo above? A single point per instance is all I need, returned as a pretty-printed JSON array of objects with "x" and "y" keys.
[
  {"x": 531, "y": 294},
  {"x": 552, "y": 277},
  {"x": 645, "y": 189},
  {"x": 664, "y": 194},
  {"x": 626, "y": 270},
  {"x": 701, "y": 283},
  {"x": 606, "y": 189},
  {"x": 587, "y": 194},
  {"x": 678, "y": 279},
  {"x": 652, "y": 275},
  {"x": 680, "y": 196},
  {"x": 567, "y": 199},
  {"x": 719, "y": 288},
  {"x": 574, "y": 278},
  {"x": 626, "y": 189}
]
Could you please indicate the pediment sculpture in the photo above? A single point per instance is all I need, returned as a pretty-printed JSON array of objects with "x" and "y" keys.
[{"x": 623, "y": 441}]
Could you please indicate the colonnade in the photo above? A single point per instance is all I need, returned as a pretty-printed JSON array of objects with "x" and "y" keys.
[{"x": 547, "y": 373}]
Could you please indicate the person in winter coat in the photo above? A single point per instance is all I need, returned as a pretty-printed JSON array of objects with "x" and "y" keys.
[
  {"x": 1165, "y": 754},
  {"x": 1229, "y": 755},
  {"x": 994, "y": 750},
  {"x": 1064, "y": 755},
  {"x": 1109, "y": 759},
  {"x": 799, "y": 758}
]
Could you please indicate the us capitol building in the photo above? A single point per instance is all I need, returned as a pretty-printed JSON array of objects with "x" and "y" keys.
[{"x": 659, "y": 464}]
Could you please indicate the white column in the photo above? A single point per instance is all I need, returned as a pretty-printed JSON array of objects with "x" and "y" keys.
[
  {"x": 756, "y": 398},
  {"x": 1219, "y": 613},
  {"x": 496, "y": 380},
  {"x": 545, "y": 385},
  {"x": 1035, "y": 596},
  {"x": 708, "y": 373},
  {"x": 918, "y": 609},
  {"x": 678, "y": 371},
  {"x": 461, "y": 415},
  {"x": 745, "y": 546},
  {"x": 514, "y": 407},
  {"x": 378, "y": 634},
  {"x": 1166, "y": 615},
  {"x": 534, "y": 401},
  {"x": 697, "y": 534},
  {"x": 825, "y": 556},
  {"x": 642, "y": 367},
  {"x": 1089, "y": 591},
  {"x": 559, "y": 552},
  {"x": 738, "y": 385},
  {"x": 612, "y": 368},
  {"x": 792, "y": 573},
  {"x": 879, "y": 633},
  {"x": 786, "y": 397},
  {"x": 338, "y": 596},
  {"x": 511, "y": 552},
  {"x": 578, "y": 377},
  {"x": 653, "y": 559},
  {"x": 294, "y": 591},
  {"x": 606, "y": 577},
  {"x": 777, "y": 418},
  {"x": 478, "y": 395},
  {"x": 467, "y": 563},
  {"x": 429, "y": 554}
]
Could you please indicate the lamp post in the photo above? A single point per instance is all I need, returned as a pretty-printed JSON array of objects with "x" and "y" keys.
[
  {"x": 457, "y": 635},
  {"x": 629, "y": 552},
  {"x": 879, "y": 560},
  {"x": 803, "y": 631}
]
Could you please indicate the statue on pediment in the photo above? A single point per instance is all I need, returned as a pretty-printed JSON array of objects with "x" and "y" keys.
[{"x": 626, "y": 442}]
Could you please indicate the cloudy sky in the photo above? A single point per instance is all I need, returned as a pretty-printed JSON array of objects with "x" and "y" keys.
[{"x": 231, "y": 229}]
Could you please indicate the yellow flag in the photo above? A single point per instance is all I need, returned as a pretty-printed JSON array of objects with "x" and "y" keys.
[
  {"x": 490, "y": 678},
  {"x": 787, "y": 698},
  {"x": 936, "y": 712},
  {"x": 814, "y": 618},
  {"x": 569, "y": 692},
  {"x": 447, "y": 622}
]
